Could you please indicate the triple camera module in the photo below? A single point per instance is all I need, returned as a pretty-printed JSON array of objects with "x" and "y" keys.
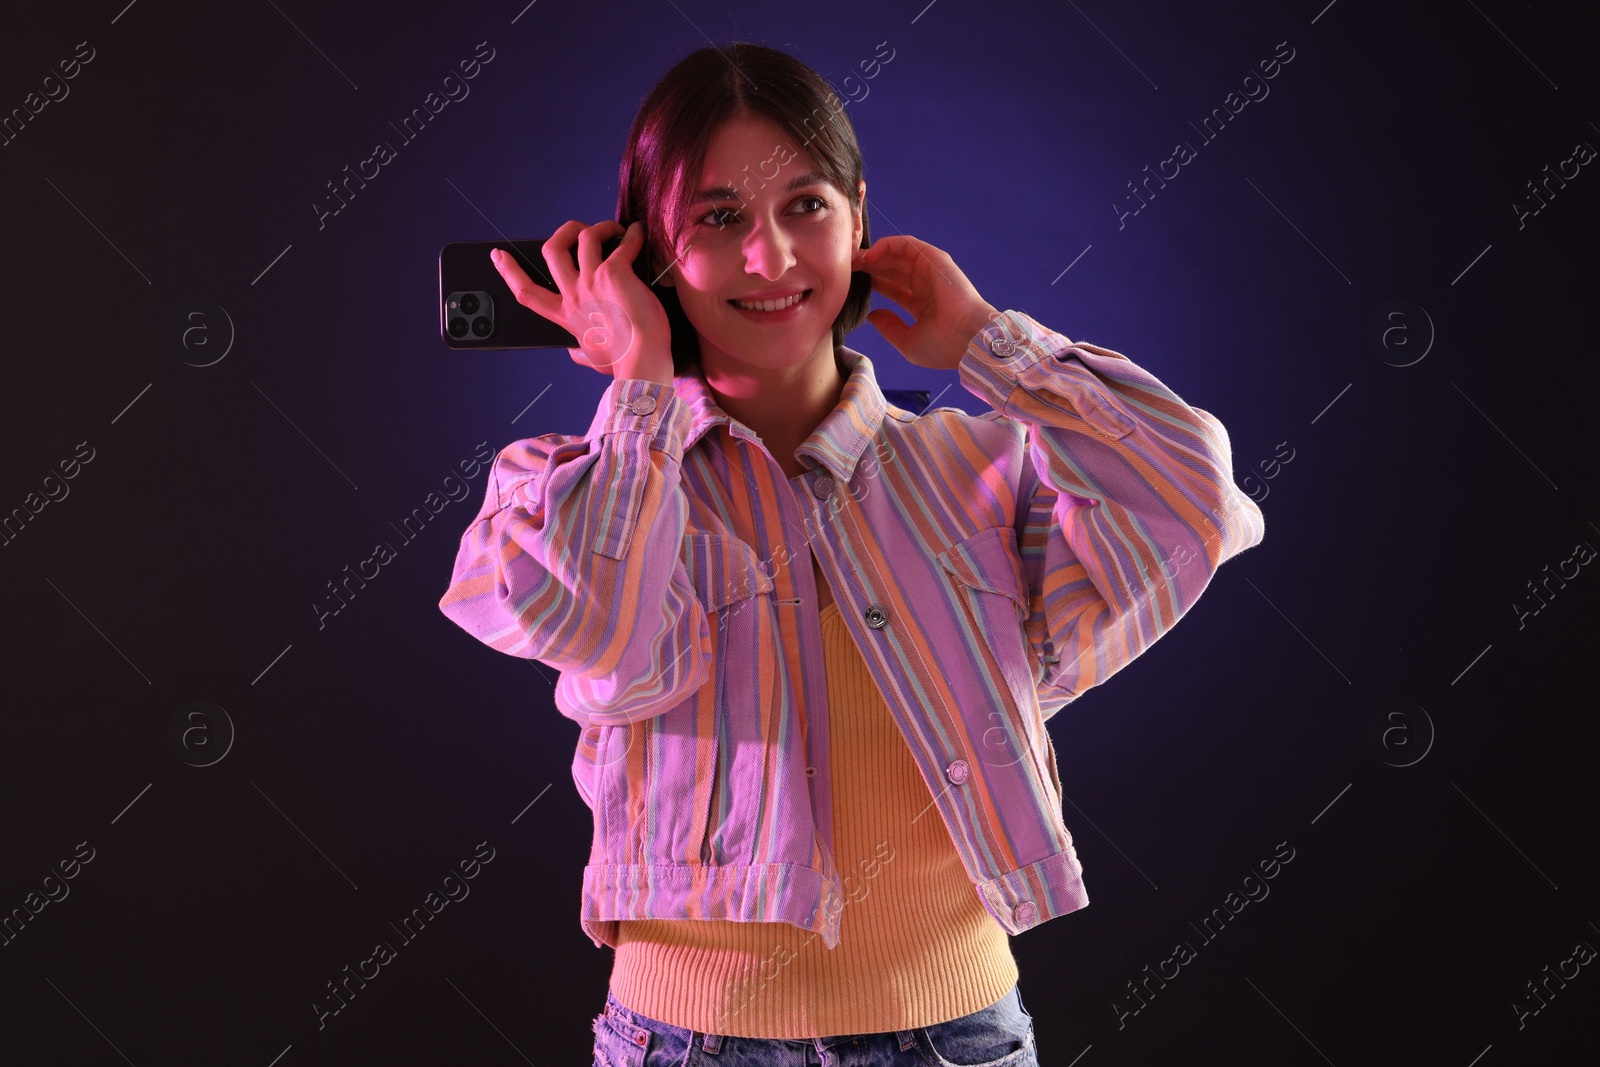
[{"x": 469, "y": 312}]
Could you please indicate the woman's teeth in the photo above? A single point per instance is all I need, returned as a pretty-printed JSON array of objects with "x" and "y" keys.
[{"x": 770, "y": 305}]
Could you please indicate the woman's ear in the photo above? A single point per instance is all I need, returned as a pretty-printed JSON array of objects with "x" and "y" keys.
[{"x": 861, "y": 202}]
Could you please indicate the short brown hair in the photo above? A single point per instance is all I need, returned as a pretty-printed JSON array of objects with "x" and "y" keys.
[{"x": 672, "y": 133}]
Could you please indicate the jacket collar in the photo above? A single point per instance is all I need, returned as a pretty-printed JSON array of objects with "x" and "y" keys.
[{"x": 838, "y": 441}]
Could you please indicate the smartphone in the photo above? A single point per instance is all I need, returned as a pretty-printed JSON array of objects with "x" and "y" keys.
[{"x": 477, "y": 310}]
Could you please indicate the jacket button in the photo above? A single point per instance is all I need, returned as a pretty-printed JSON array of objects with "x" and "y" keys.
[
  {"x": 642, "y": 405},
  {"x": 957, "y": 771},
  {"x": 822, "y": 486},
  {"x": 1025, "y": 913},
  {"x": 876, "y": 617},
  {"x": 811, "y": 772}
]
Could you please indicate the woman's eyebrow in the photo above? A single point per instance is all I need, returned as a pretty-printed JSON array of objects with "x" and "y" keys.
[{"x": 728, "y": 192}]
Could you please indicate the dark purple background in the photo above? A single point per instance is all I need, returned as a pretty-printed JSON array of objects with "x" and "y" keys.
[{"x": 374, "y": 754}]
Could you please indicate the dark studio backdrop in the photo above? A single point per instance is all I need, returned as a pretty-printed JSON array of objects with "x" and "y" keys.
[{"x": 1374, "y": 267}]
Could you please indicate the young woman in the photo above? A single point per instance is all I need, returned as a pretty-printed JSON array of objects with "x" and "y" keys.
[{"x": 795, "y": 620}]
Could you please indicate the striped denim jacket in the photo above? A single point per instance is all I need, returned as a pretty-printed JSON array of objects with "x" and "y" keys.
[{"x": 990, "y": 569}]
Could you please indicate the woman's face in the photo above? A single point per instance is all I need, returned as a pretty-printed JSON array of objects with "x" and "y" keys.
[{"x": 762, "y": 224}]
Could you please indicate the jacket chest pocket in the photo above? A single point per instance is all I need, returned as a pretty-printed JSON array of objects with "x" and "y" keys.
[{"x": 993, "y": 592}]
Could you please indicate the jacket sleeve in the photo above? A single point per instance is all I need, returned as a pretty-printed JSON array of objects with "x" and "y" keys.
[
  {"x": 575, "y": 560},
  {"x": 1126, "y": 509}
]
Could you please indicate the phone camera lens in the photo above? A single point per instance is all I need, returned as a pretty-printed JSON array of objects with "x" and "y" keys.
[
  {"x": 469, "y": 304},
  {"x": 481, "y": 326},
  {"x": 458, "y": 327}
]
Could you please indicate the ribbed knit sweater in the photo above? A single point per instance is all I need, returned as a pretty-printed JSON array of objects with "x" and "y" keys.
[{"x": 917, "y": 946}]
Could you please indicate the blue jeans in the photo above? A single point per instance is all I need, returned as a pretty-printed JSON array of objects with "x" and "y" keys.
[{"x": 1000, "y": 1035}]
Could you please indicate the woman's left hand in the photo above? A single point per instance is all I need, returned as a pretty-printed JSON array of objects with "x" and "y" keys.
[{"x": 926, "y": 282}]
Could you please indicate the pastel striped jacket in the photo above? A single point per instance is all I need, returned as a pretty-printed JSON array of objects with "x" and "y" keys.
[{"x": 990, "y": 568}]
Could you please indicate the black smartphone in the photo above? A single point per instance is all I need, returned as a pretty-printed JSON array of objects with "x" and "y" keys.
[{"x": 477, "y": 309}]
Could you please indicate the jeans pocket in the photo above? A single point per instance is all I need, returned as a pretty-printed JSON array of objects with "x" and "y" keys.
[
  {"x": 613, "y": 1047},
  {"x": 1000, "y": 1035}
]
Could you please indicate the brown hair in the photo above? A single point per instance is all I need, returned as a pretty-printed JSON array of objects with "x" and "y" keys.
[{"x": 672, "y": 132}]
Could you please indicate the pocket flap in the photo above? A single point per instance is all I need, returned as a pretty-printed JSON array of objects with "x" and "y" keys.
[
  {"x": 723, "y": 570},
  {"x": 988, "y": 560}
]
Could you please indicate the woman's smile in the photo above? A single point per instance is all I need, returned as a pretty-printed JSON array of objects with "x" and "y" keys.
[{"x": 781, "y": 309}]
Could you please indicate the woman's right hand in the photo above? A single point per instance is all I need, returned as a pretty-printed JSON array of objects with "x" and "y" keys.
[{"x": 621, "y": 327}]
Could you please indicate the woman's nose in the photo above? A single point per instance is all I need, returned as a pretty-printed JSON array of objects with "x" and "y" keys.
[{"x": 767, "y": 252}]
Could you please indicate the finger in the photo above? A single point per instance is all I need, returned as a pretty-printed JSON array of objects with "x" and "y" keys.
[
  {"x": 529, "y": 253},
  {"x": 900, "y": 294},
  {"x": 869, "y": 258},
  {"x": 889, "y": 324},
  {"x": 632, "y": 241},
  {"x": 589, "y": 244},
  {"x": 633, "y": 249},
  {"x": 529, "y": 294},
  {"x": 891, "y": 265},
  {"x": 895, "y": 248},
  {"x": 887, "y": 243},
  {"x": 557, "y": 252},
  {"x": 910, "y": 257},
  {"x": 906, "y": 298}
]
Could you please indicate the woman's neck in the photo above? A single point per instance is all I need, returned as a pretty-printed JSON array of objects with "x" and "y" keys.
[{"x": 782, "y": 405}]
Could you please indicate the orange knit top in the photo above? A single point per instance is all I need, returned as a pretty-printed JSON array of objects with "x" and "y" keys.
[{"x": 916, "y": 945}]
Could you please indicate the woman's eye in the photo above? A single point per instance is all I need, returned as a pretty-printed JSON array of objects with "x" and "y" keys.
[{"x": 721, "y": 216}]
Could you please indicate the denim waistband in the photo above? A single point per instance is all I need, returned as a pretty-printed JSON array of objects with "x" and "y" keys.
[{"x": 638, "y": 1028}]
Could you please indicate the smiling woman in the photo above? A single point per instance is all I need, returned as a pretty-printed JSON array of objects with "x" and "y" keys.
[
  {"x": 760, "y": 739},
  {"x": 749, "y": 180}
]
